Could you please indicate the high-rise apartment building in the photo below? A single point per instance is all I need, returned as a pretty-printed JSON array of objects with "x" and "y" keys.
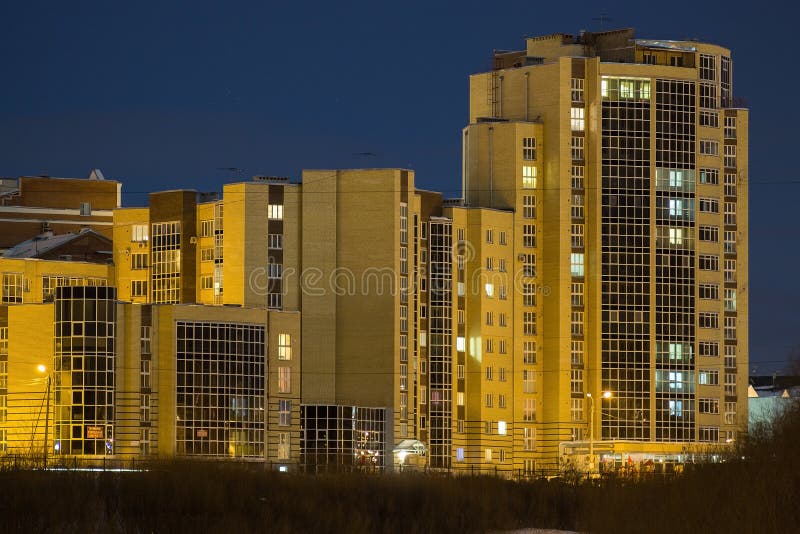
[
  {"x": 587, "y": 292},
  {"x": 629, "y": 158}
]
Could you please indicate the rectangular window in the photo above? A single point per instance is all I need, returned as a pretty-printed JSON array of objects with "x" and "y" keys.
[
  {"x": 577, "y": 89},
  {"x": 708, "y": 348},
  {"x": 730, "y": 300},
  {"x": 529, "y": 323},
  {"x": 12, "y": 288},
  {"x": 708, "y": 377},
  {"x": 528, "y": 438},
  {"x": 207, "y": 228},
  {"x": 284, "y": 379},
  {"x": 207, "y": 282},
  {"x": 577, "y": 148},
  {"x": 138, "y": 261},
  {"x": 577, "y": 236},
  {"x": 709, "y": 118},
  {"x": 529, "y": 265},
  {"x": 529, "y": 148},
  {"x": 529, "y": 235},
  {"x": 709, "y": 176},
  {"x": 576, "y": 294},
  {"x": 707, "y": 67},
  {"x": 709, "y": 205},
  {"x": 529, "y": 207},
  {"x": 275, "y": 212},
  {"x": 528, "y": 381},
  {"x": 577, "y": 121},
  {"x": 708, "y": 291},
  {"x": 708, "y": 434},
  {"x": 730, "y": 241},
  {"x": 529, "y": 175},
  {"x": 576, "y": 208},
  {"x": 576, "y": 323},
  {"x": 139, "y": 233},
  {"x": 528, "y": 294},
  {"x": 487, "y": 400},
  {"x": 207, "y": 254},
  {"x": 709, "y": 147},
  {"x": 284, "y": 347},
  {"x": 144, "y": 375},
  {"x": 576, "y": 264},
  {"x": 708, "y": 262},
  {"x": 730, "y": 413},
  {"x": 144, "y": 407},
  {"x": 529, "y": 410},
  {"x": 529, "y": 352},
  {"x": 576, "y": 352},
  {"x": 710, "y": 406},
  {"x": 730, "y": 184},
  {"x": 729, "y": 159},
  {"x": 730, "y": 327},
  {"x": 730, "y": 127},
  {"x": 275, "y": 241},
  {"x": 576, "y": 410},
  {"x": 576, "y": 381},
  {"x": 708, "y": 320},
  {"x": 577, "y": 177},
  {"x": 709, "y": 234},
  {"x": 284, "y": 412},
  {"x": 138, "y": 288},
  {"x": 284, "y": 447},
  {"x": 501, "y": 403},
  {"x": 708, "y": 96},
  {"x": 730, "y": 213},
  {"x": 730, "y": 270}
]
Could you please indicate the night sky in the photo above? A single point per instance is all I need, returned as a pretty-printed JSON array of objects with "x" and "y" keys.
[{"x": 163, "y": 96}]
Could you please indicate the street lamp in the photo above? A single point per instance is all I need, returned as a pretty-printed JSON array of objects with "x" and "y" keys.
[
  {"x": 43, "y": 369},
  {"x": 605, "y": 395}
]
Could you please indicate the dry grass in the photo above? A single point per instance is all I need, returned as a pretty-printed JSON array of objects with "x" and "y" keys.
[{"x": 759, "y": 494}]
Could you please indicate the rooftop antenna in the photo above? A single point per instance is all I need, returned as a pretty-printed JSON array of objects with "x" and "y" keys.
[{"x": 603, "y": 18}]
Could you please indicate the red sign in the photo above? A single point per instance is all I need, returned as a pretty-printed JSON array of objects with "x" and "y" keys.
[
  {"x": 202, "y": 433},
  {"x": 94, "y": 432}
]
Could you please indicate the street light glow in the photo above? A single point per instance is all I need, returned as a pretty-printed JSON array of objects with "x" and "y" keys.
[
  {"x": 41, "y": 368},
  {"x": 607, "y": 394}
]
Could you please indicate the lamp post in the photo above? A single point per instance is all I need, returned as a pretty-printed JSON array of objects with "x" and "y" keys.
[
  {"x": 42, "y": 369},
  {"x": 605, "y": 395}
]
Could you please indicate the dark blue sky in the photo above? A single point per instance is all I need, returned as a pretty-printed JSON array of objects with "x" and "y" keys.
[{"x": 160, "y": 95}]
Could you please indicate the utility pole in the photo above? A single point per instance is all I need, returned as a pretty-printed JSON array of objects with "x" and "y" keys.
[{"x": 47, "y": 421}]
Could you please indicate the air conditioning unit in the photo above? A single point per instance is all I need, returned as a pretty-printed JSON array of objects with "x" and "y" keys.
[{"x": 193, "y": 240}]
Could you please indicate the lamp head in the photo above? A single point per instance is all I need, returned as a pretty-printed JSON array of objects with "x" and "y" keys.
[
  {"x": 607, "y": 394},
  {"x": 41, "y": 368}
]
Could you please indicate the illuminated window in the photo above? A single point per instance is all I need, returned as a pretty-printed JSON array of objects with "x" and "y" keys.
[
  {"x": 529, "y": 352},
  {"x": 501, "y": 428},
  {"x": 577, "y": 121},
  {"x": 708, "y": 377},
  {"x": 529, "y": 175},
  {"x": 529, "y": 410},
  {"x": 528, "y": 438},
  {"x": 139, "y": 233},
  {"x": 275, "y": 212},
  {"x": 576, "y": 264},
  {"x": 284, "y": 347}
]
